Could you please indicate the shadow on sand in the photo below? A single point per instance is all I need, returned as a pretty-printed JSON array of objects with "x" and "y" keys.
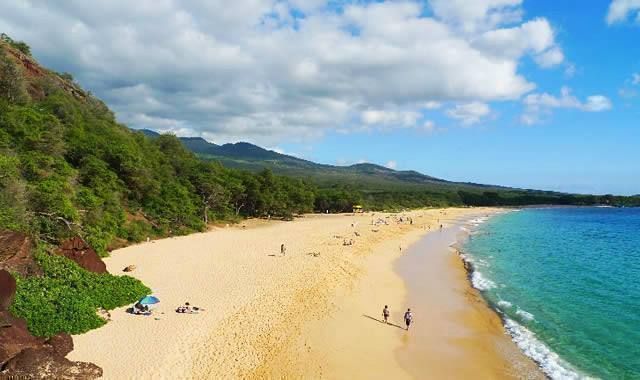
[{"x": 382, "y": 321}]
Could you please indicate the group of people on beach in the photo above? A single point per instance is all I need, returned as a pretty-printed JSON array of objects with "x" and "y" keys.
[{"x": 408, "y": 316}]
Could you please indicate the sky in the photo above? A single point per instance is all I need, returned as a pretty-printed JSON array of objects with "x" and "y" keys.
[{"x": 536, "y": 94}]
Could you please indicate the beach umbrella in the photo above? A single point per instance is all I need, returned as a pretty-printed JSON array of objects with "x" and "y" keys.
[{"x": 148, "y": 300}]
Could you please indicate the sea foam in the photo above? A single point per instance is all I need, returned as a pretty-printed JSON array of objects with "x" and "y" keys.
[
  {"x": 550, "y": 363},
  {"x": 525, "y": 315},
  {"x": 480, "y": 282}
]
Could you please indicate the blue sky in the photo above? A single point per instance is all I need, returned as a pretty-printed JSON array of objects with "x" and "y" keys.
[{"x": 535, "y": 94}]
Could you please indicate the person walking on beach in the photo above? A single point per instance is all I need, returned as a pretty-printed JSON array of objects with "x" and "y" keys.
[
  {"x": 283, "y": 249},
  {"x": 408, "y": 317},
  {"x": 385, "y": 314}
]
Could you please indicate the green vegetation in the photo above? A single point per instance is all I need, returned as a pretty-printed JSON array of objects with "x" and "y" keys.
[
  {"x": 68, "y": 168},
  {"x": 19, "y": 45},
  {"x": 66, "y": 297}
]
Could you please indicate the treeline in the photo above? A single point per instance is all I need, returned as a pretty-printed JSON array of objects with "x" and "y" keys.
[{"x": 526, "y": 198}]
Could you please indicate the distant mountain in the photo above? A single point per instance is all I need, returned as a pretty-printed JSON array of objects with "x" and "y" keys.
[{"x": 251, "y": 157}]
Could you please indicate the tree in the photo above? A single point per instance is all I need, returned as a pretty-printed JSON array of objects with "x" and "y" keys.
[
  {"x": 212, "y": 194},
  {"x": 20, "y": 45},
  {"x": 12, "y": 87}
]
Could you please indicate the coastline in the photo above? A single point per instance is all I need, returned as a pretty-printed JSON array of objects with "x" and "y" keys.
[
  {"x": 464, "y": 327},
  {"x": 266, "y": 316}
]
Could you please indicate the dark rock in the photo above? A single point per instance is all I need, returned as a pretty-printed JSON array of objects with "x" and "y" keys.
[
  {"x": 7, "y": 289},
  {"x": 44, "y": 363},
  {"x": 62, "y": 344},
  {"x": 129, "y": 268},
  {"x": 16, "y": 254},
  {"x": 14, "y": 337},
  {"x": 79, "y": 251}
]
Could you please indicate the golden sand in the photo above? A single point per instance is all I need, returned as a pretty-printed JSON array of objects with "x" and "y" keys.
[{"x": 307, "y": 314}]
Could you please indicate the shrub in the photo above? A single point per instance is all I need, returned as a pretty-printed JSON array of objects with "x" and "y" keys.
[{"x": 66, "y": 297}]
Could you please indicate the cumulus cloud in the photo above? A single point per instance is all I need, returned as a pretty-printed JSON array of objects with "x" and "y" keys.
[
  {"x": 273, "y": 70},
  {"x": 620, "y": 10},
  {"x": 427, "y": 126},
  {"x": 386, "y": 118},
  {"x": 391, "y": 164},
  {"x": 470, "y": 113},
  {"x": 635, "y": 79},
  {"x": 535, "y": 37},
  {"x": 539, "y": 105},
  {"x": 478, "y": 15},
  {"x": 552, "y": 57}
]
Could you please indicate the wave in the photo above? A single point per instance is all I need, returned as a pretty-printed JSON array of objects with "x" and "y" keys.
[
  {"x": 550, "y": 363},
  {"x": 504, "y": 304},
  {"x": 478, "y": 221},
  {"x": 480, "y": 282},
  {"x": 525, "y": 315}
]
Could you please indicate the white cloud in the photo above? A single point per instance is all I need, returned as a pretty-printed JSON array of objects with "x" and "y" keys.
[
  {"x": 597, "y": 103},
  {"x": 620, "y": 10},
  {"x": 550, "y": 58},
  {"x": 477, "y": 15},
  {"x": 470, "y": 113},
  {"x": 391, "y": 164},
  {"x": 268, "y": 70},
  {"x": 535, "y": 37},
  {"x": 428, "y": 126},
  {"x": 635, "y": 79},
  {"x": 570, "y": 70},
  {"x": 431, "y": 105},
  {"x": 539, "y": 105},
  {"x": 390, "y": 118}
]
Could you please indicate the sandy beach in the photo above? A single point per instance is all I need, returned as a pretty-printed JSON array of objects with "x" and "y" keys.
[{"x": 312, "y": 313}]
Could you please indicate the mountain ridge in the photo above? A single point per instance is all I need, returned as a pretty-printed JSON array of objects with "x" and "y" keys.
[{"x": 252, "y": 157}]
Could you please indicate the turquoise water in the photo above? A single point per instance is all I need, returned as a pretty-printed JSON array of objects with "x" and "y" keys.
[{"x": 567, "y": 281}]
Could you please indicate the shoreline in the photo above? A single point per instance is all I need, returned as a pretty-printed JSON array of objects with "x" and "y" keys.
[
  {"x": 310, "y": 313},
  {"x": 547, "y": 361},
  {"x": 464, "y": 325}
]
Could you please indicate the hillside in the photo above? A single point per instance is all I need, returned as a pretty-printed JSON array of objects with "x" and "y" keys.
[
  {"x": 251, "y": 157},
  {"x": 379, "y": 185}
]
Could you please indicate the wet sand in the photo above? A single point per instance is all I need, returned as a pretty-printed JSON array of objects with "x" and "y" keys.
[{"x": 455, "y": 334}]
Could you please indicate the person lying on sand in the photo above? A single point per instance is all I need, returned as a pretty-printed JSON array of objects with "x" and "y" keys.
[
  {"x": 188, "y": 309},
  {"x": 139, "y": 309}
]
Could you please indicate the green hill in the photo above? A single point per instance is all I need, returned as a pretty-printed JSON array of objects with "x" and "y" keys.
[
  {"x": 69, "y": 168},
  {"x": 381, "y": 187}
]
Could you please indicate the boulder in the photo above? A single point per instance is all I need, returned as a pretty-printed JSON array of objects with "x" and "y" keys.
[
  {"x": 14, "y": 337},
  {"x": 44, "y": 363},
  {"x": 61, "y": 344},
  {"x": 16, "y": 254},
  {"x": 79, "y": 251},
  {"x": 7, "y": 289}
]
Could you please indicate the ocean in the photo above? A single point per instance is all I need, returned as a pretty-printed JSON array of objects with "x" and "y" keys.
[{"x": 567, "y": 283}]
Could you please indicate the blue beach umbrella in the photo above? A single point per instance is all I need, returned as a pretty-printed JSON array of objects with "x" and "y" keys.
[{"x": 148, "y": 300}]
